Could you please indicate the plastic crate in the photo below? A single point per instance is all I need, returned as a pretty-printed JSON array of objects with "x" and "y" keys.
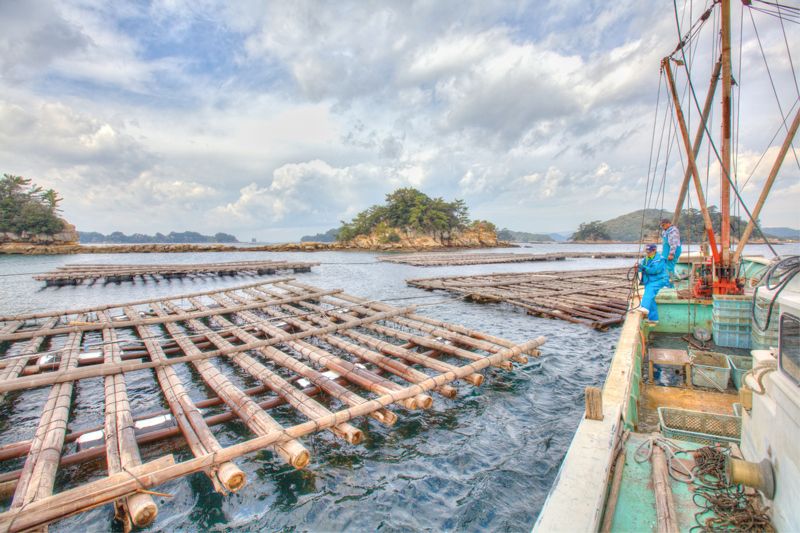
[
  {"x": 731, "y": 335},
  {"x": 740, "y": 364},
  {"x": 762, "y": 340},
  {"x": 695, "y": 426},
  {"x": 710, "y": 369},
  {"x": 732, "y": 309}
]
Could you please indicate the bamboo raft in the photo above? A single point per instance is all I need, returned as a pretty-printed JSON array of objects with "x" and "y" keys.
[
  {"x": 595, "y": 298},
  {"x": 304, "y": 346},
  {"x": 76, "y": 274},
  {"x": 453, "y": 259}
]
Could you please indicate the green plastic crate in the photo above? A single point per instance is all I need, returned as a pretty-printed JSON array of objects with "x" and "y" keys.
[
  {"x": 696, "y": 426},
  {"x": 710, "y": 369},
  {"x": 740, "y": 364}
]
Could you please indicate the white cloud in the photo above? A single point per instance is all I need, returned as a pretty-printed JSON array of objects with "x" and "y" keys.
[{"x": 274, "y": 116}]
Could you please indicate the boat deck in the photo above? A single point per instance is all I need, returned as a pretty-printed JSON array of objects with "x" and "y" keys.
[
  {"x": 705, "y": 400},
  {"x": 636, "y": 504}
]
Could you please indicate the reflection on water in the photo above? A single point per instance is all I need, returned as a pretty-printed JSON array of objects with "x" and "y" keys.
[{"x": 484, "y": 460}]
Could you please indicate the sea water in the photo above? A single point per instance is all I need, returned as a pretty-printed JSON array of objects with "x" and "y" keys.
[{"x": 482, "y": 461}]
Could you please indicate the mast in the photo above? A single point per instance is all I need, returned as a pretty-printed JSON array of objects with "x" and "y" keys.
[{"x": 725, "y": 170}]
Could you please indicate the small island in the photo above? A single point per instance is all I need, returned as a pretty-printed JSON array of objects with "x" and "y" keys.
[{"x": 30, "y": 217}]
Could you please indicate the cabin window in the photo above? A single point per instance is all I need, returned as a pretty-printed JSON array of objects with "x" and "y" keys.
[{"x": 790, "y": 347}]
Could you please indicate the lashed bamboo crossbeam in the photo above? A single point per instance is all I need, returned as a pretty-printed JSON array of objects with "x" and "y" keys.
[
  {"x": 453, "y": 334},
  {"x": 75, "y": 274},
  {"x": 106, "y": 369},
  {"x": 38, "y": 474},
  {"x": 18, "y": 449},
  {"x": 306, "y": 405},
  {"x": 408, "y": 337},
  {"x": 109, "y": 266},
  {"x": 16, "y": 366},
  {"x": 158, "y": 472},
  {"x": 105, "y": 307},
  {"x": 122, "y": 451},
  {"x": 11, "y": 327},
  {"x": 429, "y": 325},
  {"x": 352, "y": 372},
  {"x": 596, "y": 298},
  {"x": 128, "y": 354},
  {"x": 133, "y": 320},
  {"x": 322, "y": 381},
  {"x": 198, "y": 436},
  {"x": 240, "y": 403},
  {"x": 398, "y": 351},
  {"x": 159, "y": 435}
]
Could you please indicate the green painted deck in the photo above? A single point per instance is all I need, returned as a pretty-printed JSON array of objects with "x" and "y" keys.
[{"x": 636, "y": 506}]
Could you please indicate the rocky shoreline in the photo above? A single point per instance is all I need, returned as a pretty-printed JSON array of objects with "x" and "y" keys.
[{"x": 24, "y": 248}]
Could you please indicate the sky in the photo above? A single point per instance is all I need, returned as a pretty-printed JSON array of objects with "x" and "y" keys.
[{"x": 272, "y": 120}]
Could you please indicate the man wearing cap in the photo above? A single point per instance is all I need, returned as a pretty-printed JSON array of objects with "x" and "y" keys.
[
  {"x": 671, "y": 246},
  {"x": 654, "y": 277}
]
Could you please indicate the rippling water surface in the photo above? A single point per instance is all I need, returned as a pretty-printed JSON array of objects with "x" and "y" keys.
[{"x": 483, "y": 461}]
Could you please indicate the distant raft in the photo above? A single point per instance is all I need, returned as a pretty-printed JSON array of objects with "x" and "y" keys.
[
  {"x": 595, "y": 298},
  {"x": 76, "y": 274},
  {"x": 457, "y": 259},
  {"x": 297, "y": 341}
]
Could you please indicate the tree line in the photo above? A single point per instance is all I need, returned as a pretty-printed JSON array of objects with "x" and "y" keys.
[
  {"x": 629, "y": 227},
  {"x": 27, "y": 208},
  {"x": 409, "y": 210}
]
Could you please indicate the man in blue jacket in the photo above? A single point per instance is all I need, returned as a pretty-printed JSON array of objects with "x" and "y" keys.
[
  {"x": 654, "y": 277},
  {"x": 670, "y": 247}
]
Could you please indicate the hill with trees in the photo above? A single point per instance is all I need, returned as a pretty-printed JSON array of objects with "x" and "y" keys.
[
  {"x": 410, "y": 218},
  {"x": 184, "y": 237},
  {"x": 26, "y": 208},
  {"x": 506, "y": 234},
  {"x": 628, "y": 227},
  {"x": 328, "y": 236}
]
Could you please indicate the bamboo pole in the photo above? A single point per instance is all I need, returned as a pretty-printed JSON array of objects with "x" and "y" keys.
[
  {"x": 396, "y": 351},
  {"x": 84, "y": 310},
  {"x": 405, "y": 354},
  {"x": 444, "y": 333},
  {"x": 122, "y": 452},
  {"x": 698, "y": 141},
  {"x": 330, "y": 386},
  {"x": 353, "y": 373},
  {"x": 105, "y": 369},
  {"x": 16, "y": 366},
  {"x": 132, "y": 321},
  {"x": 701, "y": 199},
  {"x": 89, "y": 454},
  {"x": 39, "y": 472},
  {"x": 240, "y": 403},
  {"x": 306, "y": 405},
  {"x": 438, "y": 326},
  {"x": 773, "y": 173},
  {"x": 104, "y": 491},
  {"x": 393, "y": 366},
  {"x": 725, "y": 137},
  {"x": 198, "y": 436}
]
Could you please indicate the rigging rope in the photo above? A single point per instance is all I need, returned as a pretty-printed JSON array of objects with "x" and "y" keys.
[{"x": 713, "y": 145}]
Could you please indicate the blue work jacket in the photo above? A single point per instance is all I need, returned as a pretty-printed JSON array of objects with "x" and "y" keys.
[{"x": 654, "y": 270}]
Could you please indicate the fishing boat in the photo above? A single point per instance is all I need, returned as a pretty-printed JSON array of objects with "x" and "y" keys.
[{"x": 697, "y": 423}]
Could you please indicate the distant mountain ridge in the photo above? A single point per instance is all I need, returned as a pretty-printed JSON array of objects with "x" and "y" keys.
[
  {"x": 184, "y": 237},
  {"x": 783, "y": 233},
  {"x": 632, "y": 226},
  {"x": 328, "y": 236},
  {"x": 506, "y": 234}
]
